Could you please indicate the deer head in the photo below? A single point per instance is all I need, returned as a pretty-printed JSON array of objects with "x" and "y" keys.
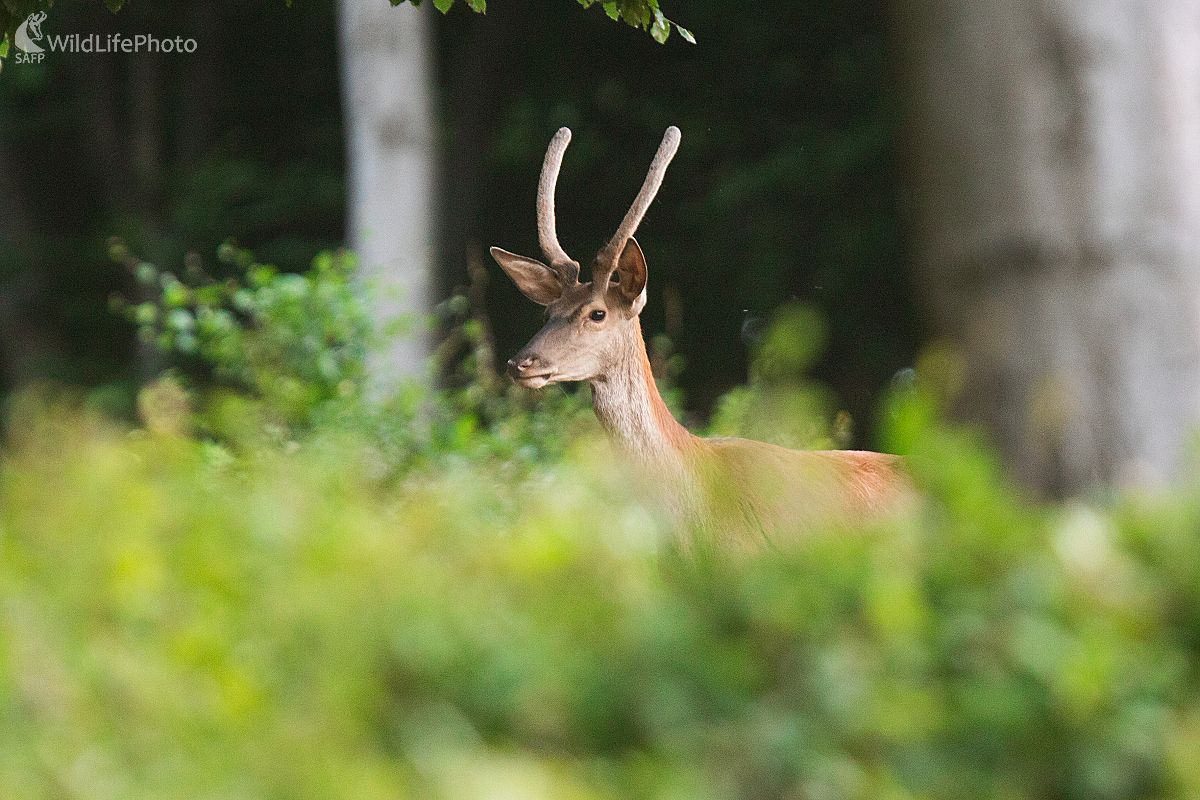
[{"x": 589, "y": 327}]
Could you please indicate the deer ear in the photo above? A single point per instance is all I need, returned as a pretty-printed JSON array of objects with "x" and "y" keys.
[
  {"x": 631, "y": 270},
  {"x": 535, "y": 280}
]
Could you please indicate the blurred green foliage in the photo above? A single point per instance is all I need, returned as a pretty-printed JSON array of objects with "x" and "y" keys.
[
  {"x": 780, "y": 404},
  {"x": 178, "y": 619}
]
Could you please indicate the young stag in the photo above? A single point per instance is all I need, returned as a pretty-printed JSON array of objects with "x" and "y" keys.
[{"x": 729, "y": 491}]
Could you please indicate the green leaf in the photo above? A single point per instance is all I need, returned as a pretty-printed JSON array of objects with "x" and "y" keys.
[
  {"x": 660, "y": 29},
  {"x": 146, "y": 274},
  {"x": 685, "y": 33},
  {"x": 145, "y": 314},
  {"x": 611, "y": 9},
  {"x": 478, "y": 6},
  {"x": 180, "y": 319},
  {"x": 175, "y": 294},
  {"x": 261, "y": 275},
  {"x": 639, "y": 14},
  {"x": 443, "y": 5}
]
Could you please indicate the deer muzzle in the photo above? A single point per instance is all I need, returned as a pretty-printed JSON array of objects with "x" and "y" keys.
[{"x": 529, "y": 371}]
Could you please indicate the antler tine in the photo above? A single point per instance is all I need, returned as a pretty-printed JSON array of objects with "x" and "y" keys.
[
  {"x": 654, "y": 178},
  {"x": 562, "y": 263}
]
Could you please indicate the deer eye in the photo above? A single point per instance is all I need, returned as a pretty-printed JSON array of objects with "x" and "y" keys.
[{"x": 597, "y": 315}]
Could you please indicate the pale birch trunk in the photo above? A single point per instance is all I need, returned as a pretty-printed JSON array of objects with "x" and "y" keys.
[
  {"x": 1055, "y": 175},
  {"x": 387, "y": 57}
]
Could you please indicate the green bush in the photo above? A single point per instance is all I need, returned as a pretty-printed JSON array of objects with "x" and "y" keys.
[
  {"x": 176, "y": 621},
  {"x": 265, "y": 356},
  {"x": 296, "y": 342}
]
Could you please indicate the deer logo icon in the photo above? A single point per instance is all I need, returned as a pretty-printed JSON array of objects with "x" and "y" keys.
[{"x": 29, "y": 33}]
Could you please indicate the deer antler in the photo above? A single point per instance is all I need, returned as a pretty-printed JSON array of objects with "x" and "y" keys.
[
  {"x": 606, "y": 259},
  {"x": 560, "y": 262}
]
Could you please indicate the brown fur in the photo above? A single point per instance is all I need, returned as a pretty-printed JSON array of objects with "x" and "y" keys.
[{"x": 739, "y": 493}]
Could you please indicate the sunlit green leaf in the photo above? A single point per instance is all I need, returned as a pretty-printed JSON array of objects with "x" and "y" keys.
[{"x": 660, "y": 29}]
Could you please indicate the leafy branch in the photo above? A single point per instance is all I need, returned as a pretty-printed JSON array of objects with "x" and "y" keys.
[{"x": 643, "y": 14}]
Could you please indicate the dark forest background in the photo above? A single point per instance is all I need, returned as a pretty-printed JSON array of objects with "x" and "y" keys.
[{"x": 786, "y": 186}]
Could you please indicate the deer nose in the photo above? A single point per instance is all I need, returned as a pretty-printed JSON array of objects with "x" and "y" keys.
[{"x": 518, "y": 368}]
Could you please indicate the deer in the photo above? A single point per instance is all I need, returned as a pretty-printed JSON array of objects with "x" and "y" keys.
[{"x": 725, "y": 492}]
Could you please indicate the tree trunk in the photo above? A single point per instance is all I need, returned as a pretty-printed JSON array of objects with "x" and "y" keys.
[
  {"x": 387, "y": 59},
  {"x": 1055, "y": 175}
]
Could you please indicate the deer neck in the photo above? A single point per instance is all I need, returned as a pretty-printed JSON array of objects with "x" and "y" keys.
[{"x": 632, "y": 412}]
